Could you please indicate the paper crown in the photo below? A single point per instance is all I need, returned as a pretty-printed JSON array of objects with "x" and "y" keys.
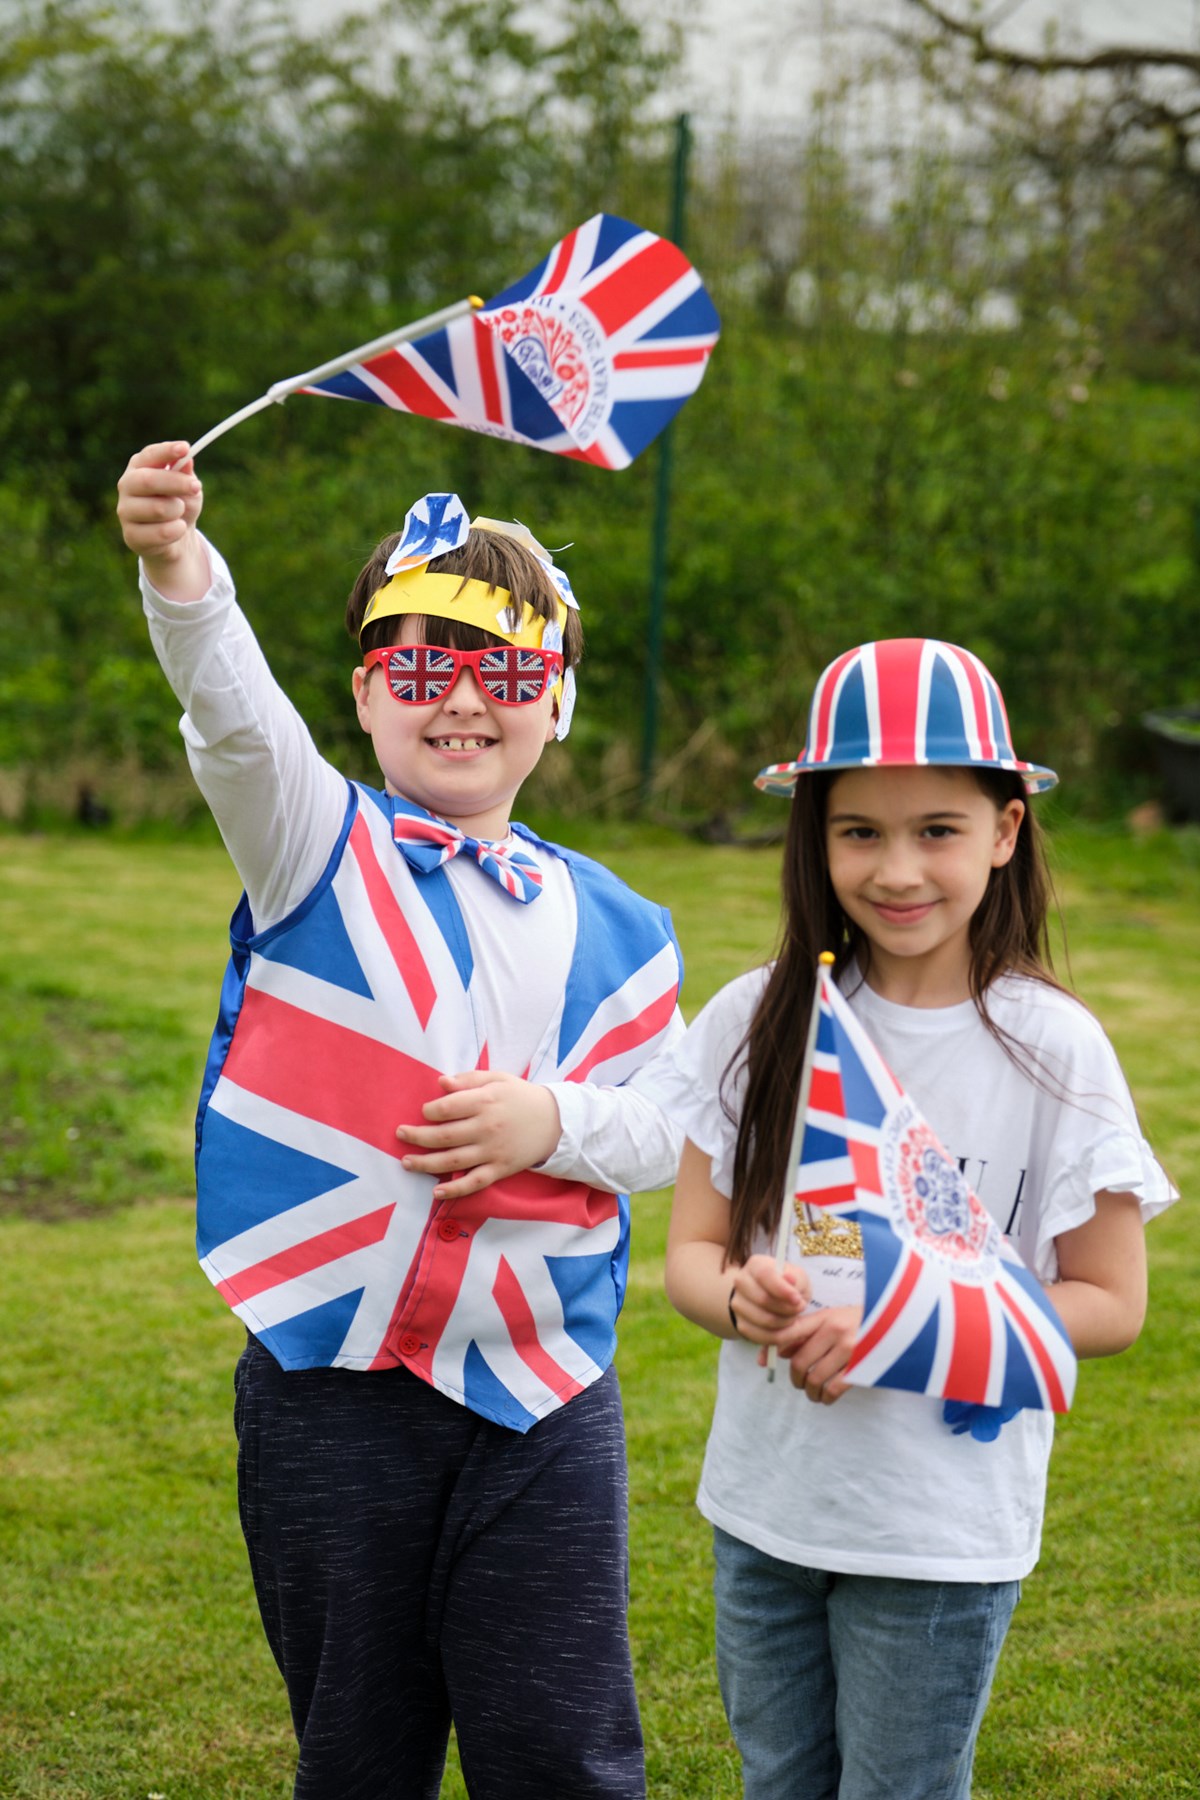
[
  {"x": 437, "y": 524},
  {"x": 906, "y": 702}
]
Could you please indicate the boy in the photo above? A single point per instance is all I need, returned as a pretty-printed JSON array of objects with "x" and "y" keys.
[{"x": 418, "y": 1123}]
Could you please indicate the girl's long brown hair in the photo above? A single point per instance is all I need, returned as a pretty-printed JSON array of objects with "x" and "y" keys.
[{"x": 1008, "y": 935}]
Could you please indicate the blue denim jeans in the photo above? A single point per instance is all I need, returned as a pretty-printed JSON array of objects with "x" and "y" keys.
[{"x": 853, "y": 1687}]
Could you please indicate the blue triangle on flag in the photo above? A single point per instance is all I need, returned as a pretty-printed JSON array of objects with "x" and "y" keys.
[
  {"x": 861, "y": 1098},
  {"x": 913, "y": 1367},
  {"x": 436, "y": 351},
  {"x": 337, "y": 961},
  {"x": 1020, "y": 1384},
  {"x": 574, "y": 1277},
  {"x": 249, "y": 1178},
  {"x": 312, "y": 1339},
  {"x": 821, "y": 1146},
  {"x": 882, "y": 1250},
  {"x": 612, "y": 234},
  {"x": 486, "y": 1394},
  {"x": 694, "y": 317}
]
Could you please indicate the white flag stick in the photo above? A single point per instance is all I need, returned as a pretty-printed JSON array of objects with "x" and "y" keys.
[
  {"x": 787, "y": 1211},
  {"x": 278, "y": 392}
]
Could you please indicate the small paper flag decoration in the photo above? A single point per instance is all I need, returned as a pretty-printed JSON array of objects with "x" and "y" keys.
[
  {"x": 950, "y": 1308},
  {"x": 590, "y": 355}
]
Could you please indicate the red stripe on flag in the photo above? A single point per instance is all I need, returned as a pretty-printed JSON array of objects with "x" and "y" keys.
[
  {"x": 971, "y": 1352},
  {"x": 432, "y": 1286},
  {"x": 660, "y": 359},
  {"x": 624, "y": 1037},
  {"x": 302, "y": 1258},
  {"x": 562, "y": 263},
  {"x": 983, "y": 718},
  {"x": 896, "y": 667},
  {"x": 824, "y": 708},
  {"x": 629, "y": 289},
  {"x": 430, "y": 1292},
  {"x": 522, "y": 1327},
  {"x": 1054, "y": 1387},
  {"x": 825, "y": 1094},
  {"x": 865, "y": 1158},
  {"x": 532, "y": 1196},
  {"x": 393, "y": 924},
  {"x": 597, "y": 456},
  {"x": 408, "y": 384},
  {"x": 489, "y": 381},
  {"x": 327, "y": 1073},
  {"x": 833, "y": 1193},
  {"x": 895, "y": 1306}
]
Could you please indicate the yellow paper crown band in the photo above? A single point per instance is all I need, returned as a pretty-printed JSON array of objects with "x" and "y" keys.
[{"x": 450, "y": 597}]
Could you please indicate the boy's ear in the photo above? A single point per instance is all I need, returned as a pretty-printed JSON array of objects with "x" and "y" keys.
[{"x": 358, "y": 683}]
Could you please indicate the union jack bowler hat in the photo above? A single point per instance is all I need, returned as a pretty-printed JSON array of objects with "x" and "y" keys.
[{"x": 906, "y": 702}]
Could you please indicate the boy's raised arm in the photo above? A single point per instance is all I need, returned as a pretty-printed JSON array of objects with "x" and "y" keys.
[{"x": 160, "y": 498}]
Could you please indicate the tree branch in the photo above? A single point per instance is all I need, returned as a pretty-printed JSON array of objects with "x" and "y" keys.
[{"x": 1115, "y": 58}]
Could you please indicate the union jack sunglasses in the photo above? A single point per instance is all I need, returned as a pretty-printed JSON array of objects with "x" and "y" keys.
[{"x": 509, "y": 674}]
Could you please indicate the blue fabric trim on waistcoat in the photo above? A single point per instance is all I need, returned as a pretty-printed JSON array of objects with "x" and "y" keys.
[{"x": 603, "y": 934}]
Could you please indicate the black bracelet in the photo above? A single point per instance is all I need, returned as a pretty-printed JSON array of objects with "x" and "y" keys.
[{"x": 732, "y": 1315}]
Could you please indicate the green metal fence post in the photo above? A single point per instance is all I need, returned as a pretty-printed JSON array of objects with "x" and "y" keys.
[{"x": 662, "y": 502}]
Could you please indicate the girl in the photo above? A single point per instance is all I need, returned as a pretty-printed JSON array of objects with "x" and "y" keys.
[{"x": 870, "y": 1543}]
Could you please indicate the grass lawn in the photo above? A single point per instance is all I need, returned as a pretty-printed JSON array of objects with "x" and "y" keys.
[{"x": 131, "y": 1659}]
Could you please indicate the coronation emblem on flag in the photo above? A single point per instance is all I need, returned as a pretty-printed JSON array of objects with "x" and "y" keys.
[
  {"x": 563, "y": 353},
  {"x": 932, "y": 1200}
]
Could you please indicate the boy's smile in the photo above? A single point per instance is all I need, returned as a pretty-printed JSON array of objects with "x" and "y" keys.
[
  {"x": 463, "y": 757},
  {"x": 911, "y": 852}
]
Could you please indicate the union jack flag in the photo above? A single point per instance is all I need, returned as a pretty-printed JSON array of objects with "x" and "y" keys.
[
  {"x": 334, "y": 1028},
  {"x": 590, "y": 355},
  {"x": 950, "y": 1309}
]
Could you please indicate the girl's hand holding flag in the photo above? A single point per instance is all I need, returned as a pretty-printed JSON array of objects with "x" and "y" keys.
[{"x": 766, "y": 1302}]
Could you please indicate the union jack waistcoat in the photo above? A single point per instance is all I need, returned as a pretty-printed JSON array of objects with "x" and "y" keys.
[{"x": 334, "y": 1025}]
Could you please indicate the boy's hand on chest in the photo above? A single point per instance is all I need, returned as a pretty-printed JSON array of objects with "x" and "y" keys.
[{"x": 487, "y": 1125}]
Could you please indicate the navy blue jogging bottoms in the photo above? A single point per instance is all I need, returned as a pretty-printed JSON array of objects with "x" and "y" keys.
[{"x": 415, "y": 1563}]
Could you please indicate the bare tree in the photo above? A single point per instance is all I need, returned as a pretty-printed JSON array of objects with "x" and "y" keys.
[
  {"x": 1110, "y": 134},
  {"x": 1137, "y": 104}
]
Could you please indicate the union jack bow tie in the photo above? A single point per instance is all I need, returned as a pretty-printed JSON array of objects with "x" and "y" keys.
[{"x": 426, "y": 842}]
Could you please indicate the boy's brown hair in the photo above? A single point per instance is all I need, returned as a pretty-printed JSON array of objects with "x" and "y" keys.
[{"x": 486, "y": 556}]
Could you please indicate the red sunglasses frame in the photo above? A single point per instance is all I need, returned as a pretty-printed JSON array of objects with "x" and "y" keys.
[{"x": 551, "y": 661}]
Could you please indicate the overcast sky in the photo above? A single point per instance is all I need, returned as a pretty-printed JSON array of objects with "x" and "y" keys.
[{"x": 757, "y": 58}]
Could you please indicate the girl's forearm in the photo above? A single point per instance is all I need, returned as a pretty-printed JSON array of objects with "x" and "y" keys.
[
  {"x": 1099, "y": 1322},
  {"x": 1100, "y": 1294},
  {"x": 698, "y": 1282}
]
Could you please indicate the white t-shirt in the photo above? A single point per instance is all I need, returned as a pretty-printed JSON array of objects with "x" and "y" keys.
[
  {"x": 877, "y": 1483},
  {"x": 280, "y": 808}
]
